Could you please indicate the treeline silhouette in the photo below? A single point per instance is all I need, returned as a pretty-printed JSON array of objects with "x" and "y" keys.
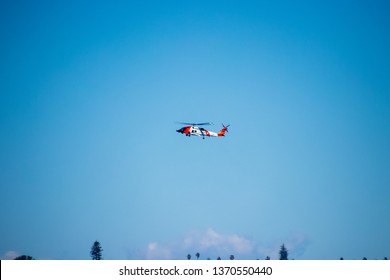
[
  {"x": 96, "y": 254},
  {"x": 283, "y": 255}
]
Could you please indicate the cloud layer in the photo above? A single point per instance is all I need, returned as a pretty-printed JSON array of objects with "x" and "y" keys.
[
  {"x": 9, "y": 255},
  {"x": 213, "y": 244}
]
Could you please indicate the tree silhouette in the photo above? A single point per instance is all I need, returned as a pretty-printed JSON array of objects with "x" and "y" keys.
[
  {"x": 283, "y": 253},
  {"x": 219, "y": 258},
  {"x": 267, "y": 258},
  {"x": 188, "y": 257},
  {"x": 96, "y": 251},
  {"x": 24, "y": 257},
  {"x": 385, "y": 258},
  {"x": 231, "y": 257},
  {"x": 364, "y": 259},
  {"x": 197, "y": 255}
]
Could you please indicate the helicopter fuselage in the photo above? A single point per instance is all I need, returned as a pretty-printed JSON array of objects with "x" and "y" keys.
[{"x": 200, "y": 131}]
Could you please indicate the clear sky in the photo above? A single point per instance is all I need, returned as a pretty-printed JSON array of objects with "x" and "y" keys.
[{"x": 90, "y": 94}]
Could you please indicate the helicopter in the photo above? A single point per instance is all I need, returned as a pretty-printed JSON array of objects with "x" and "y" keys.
[{"x": 195, "y": 129}]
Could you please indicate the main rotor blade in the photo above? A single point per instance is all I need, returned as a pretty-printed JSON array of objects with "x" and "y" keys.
[{"x": 195, "y": 124}]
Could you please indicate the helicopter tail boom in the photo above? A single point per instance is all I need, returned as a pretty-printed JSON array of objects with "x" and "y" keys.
[{"x": 223, "y": 130}]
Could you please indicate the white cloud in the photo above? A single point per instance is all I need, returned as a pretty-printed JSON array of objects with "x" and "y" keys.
[
  {"x": 207, "y": 242},
  {"x": 10, "y": 255},
  {"x": 155, "y": 251},
  {"x": 213, "y": 244},
  {"x": 224, "y": 243},
  {"x": 240, "y": 244}
]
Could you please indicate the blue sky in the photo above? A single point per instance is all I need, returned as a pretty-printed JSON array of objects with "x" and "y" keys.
[{"x": 90, "y": 94}]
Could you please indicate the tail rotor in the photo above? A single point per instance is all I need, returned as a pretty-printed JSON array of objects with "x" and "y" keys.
[
  {"x": 226, "y": 127},
  {"x": 224, "y": 130}
]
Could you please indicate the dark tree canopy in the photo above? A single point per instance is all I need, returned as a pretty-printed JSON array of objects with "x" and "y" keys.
[
  {"x": 96, "y": 251},
  {"x": 283, "y": 253},
  {"x": 24, "y": 257},
  {"x": 197, "y": 255},
  {"x": 188, "y": 257}
]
